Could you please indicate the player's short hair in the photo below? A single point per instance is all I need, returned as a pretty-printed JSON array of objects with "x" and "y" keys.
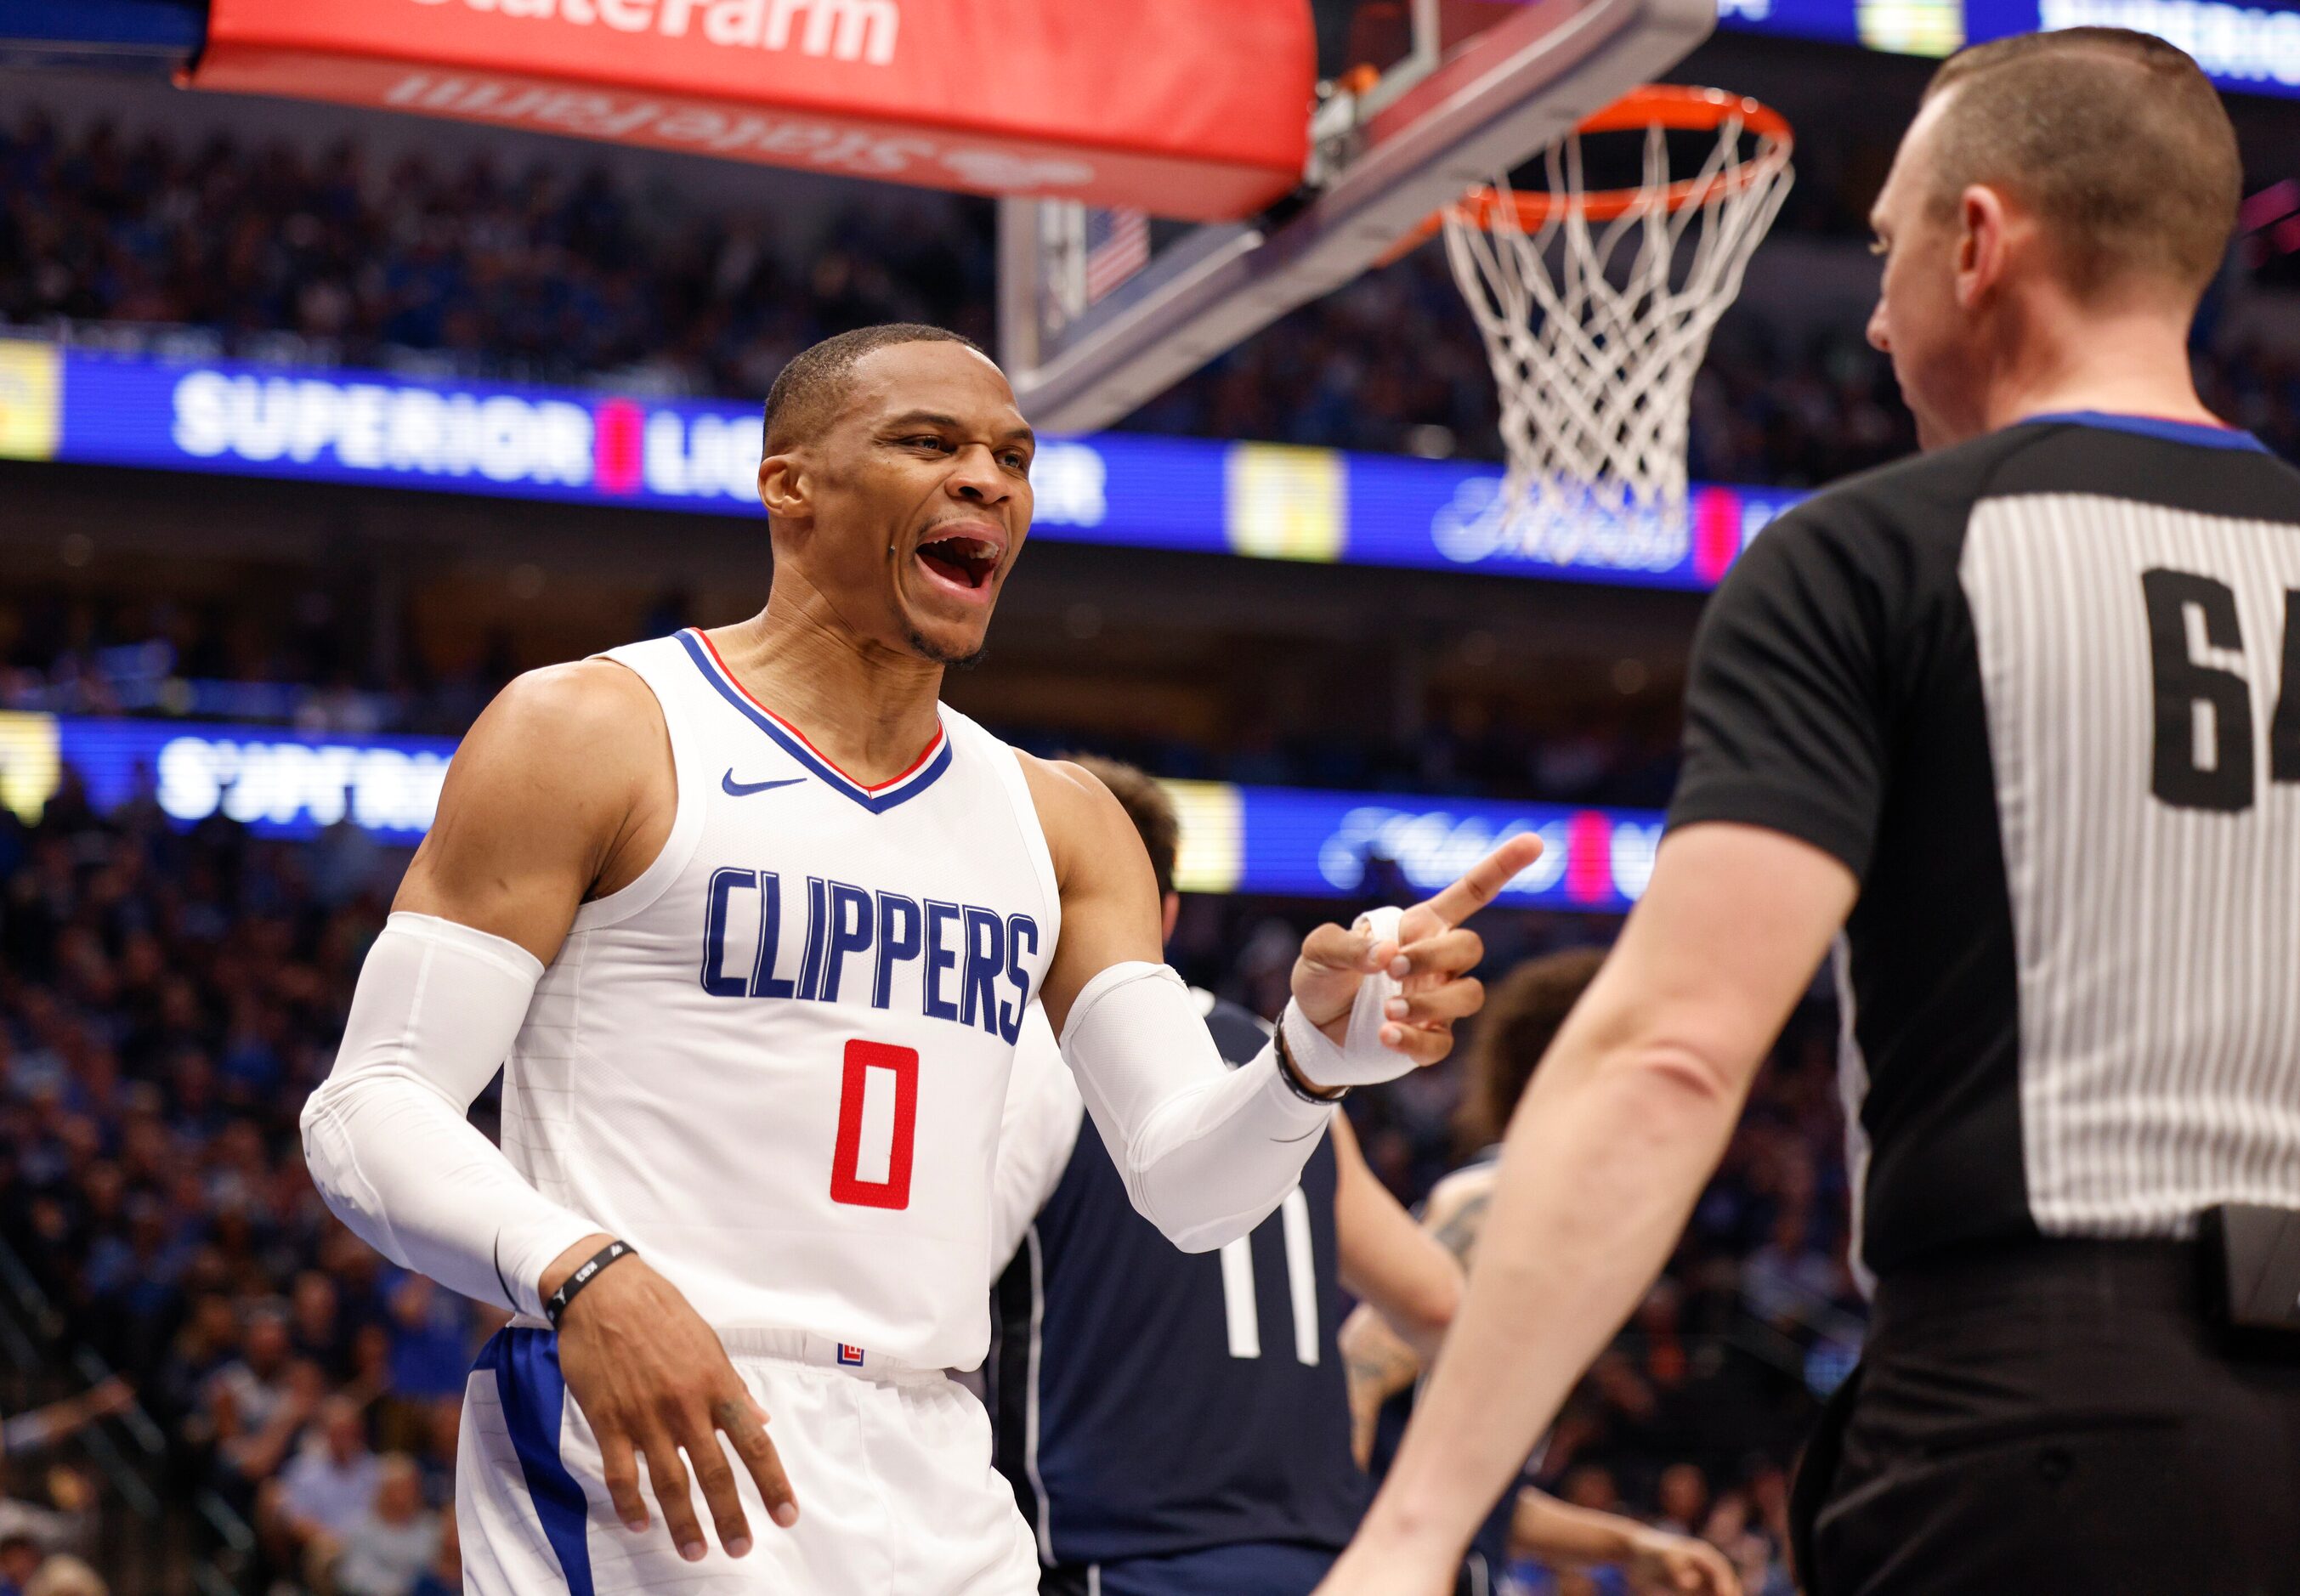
[
  {"x": 1146, "y": 804},
  {"x": 2116, "y": 139},
  {"x": 1523, "y": 1011},
  {"x": 807, "y": 393}
]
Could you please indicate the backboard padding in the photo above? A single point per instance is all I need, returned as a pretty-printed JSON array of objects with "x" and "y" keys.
[{"x": 1487, "y": 106}]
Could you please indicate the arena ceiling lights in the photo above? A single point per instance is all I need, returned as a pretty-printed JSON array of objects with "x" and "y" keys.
[{"x": 1202, "y": 116}]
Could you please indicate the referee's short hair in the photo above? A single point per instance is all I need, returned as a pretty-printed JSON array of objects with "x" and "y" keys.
[
  {"x": 2116, "y": 139},
  {"x": 1523, "y": 1011}
]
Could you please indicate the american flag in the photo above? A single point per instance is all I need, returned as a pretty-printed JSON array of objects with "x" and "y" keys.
[{"x": 1117, "y": 247}]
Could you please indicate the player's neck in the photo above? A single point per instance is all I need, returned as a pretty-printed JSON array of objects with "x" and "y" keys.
[
  {"x": 2129, "y": 362},
  {"x": 869, "y": 709}
]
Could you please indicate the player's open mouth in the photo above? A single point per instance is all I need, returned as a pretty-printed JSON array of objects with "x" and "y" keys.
[{"x": 963, "y": 559}]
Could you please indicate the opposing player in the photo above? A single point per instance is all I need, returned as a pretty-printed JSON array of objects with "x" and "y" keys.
[
  {"x": 1522, "y": 1013},
  {"x": 750, "y": 922},
  {"x": 1174, "y": 1423}
]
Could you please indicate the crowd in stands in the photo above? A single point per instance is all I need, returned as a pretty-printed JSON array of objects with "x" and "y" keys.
[
  {"x": 169, "y": 998},
  {"x": 168, "y": 1001},
  {"x": 107, "y": 653},
  {"x": 321, "y": 256},
  {"x": 535, "y": 275},
  {"x": 315, "y": 256},
  {"x": 529, "y": 276}
]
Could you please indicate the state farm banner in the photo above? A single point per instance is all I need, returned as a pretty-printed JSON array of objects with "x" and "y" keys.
[{"x": 1189, "y": 108}]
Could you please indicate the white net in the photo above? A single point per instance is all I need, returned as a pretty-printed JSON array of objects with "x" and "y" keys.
[{"x": 1597, "y": 315}]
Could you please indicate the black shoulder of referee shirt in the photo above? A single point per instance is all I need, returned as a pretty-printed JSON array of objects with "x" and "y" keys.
[
  {"x": 1837, "y": 693},
  {"x": 1846, "y": 611}
]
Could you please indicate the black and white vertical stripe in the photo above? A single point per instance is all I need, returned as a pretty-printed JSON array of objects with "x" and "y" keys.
[
  {"x": 1852, "y": 1089},
  {"x": 2158, "y": 945}
]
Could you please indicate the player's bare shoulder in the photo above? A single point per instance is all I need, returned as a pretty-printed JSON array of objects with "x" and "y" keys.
[
  {"x": 573, "y": 738},
  {"x": 562, "y": 789},
  {"x": 1083, "y": 820}
]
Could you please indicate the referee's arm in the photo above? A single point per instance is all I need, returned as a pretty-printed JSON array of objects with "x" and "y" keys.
[{"x": 1632, "y": 1107}]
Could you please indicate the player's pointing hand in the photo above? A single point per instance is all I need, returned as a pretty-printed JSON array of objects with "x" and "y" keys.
[
  {"x": 1431, "y": 956},
  {"x": 654, "y": 1381}
]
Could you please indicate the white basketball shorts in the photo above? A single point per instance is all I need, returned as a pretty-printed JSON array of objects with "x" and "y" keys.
[{"x": 891, "y": 1467}]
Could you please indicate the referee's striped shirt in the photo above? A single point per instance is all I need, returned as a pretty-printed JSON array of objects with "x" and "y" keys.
[{"x": 2041, "y": 692}]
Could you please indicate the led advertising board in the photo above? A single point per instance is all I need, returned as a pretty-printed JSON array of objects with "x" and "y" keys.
[
  {"x": 1284, "y": 841},
  {"x": 2249, "y": 48},
  {"x": 1258, "y": 500}
]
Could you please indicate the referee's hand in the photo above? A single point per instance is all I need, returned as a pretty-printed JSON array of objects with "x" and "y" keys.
[
  {"x": 1432, "y": 956},
  {"x": 653, "y": 1381}
]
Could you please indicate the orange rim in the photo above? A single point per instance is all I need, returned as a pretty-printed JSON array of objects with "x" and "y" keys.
[{"x": 1668, "y": 106}]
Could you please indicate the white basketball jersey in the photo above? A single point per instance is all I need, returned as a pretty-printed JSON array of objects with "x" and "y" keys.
[{"x": 775, "y": 1063}]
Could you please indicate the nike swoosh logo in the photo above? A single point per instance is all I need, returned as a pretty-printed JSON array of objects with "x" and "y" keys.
[{"x": 744, "y": 789}]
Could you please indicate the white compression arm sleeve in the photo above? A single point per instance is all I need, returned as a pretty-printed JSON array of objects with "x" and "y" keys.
[
  {"x": 1206, "y": 1151},
  {"x": 436, "y": 1011}
]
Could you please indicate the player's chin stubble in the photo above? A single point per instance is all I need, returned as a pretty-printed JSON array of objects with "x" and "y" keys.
[{"x": 927, "y": 649}]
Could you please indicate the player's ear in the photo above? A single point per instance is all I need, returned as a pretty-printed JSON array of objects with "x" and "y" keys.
[{"x": 784, "y": 487}]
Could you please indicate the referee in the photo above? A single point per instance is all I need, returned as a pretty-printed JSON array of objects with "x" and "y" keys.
[{"x": 2022, "y": 717}]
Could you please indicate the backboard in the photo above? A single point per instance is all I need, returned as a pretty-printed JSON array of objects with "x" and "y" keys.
[{"x": 1101, "y": 310}]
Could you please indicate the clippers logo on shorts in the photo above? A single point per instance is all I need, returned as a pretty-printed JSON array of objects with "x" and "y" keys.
[
  {"x": 828, "y": 941},
  {"x": 849, "y": 1356}
]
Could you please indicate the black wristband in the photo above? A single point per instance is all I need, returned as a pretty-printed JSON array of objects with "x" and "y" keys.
[
  {"x": 1298, "y": 1083},
  {"x": 589, "y": 1269}
]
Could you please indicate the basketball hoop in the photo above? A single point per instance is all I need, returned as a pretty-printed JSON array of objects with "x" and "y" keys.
[{"x": 1597, "y": 307}]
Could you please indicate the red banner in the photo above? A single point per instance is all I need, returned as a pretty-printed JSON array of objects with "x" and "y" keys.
[{"x": 1186, "y": 108}]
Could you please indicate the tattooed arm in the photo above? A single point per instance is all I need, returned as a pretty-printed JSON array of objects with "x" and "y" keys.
[
  {"x": 1387, "y": 1261},
  {"x": 1379, "y": 1362}
]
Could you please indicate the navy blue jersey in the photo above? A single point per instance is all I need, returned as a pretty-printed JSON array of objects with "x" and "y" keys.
[{"x": 1148, "y": 1400}]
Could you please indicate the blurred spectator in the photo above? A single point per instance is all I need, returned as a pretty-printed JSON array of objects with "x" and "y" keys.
[
  {"x": 65, "y": 1576},
  {"x": 59, "y": 1421},
  {"x": 66, "y": 1521},
  {"x": 430, "y": 1332},
  {"x": 315, "y": 1317},
  {"x": 1681, "y": 1502},
  {"x": 259, "y": 1404},
  {"x": 444, "y": 1576},
  {"x": 388, "y": 1547},
  {"x": 20, "y": 1557},
  {"x": 1590, "y": 1485},
  {"x": 434, "y": 1431},
  {"x": 331, "y": 1481}
]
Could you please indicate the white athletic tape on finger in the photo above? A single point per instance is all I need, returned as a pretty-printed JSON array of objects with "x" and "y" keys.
[{"x": 1362, "y": 1059}]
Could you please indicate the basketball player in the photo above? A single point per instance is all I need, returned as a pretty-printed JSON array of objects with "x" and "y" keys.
[
  {"x": 1522, "y": 1013},
  {"x": 2023, "y": 717},
  {"x": 751, "y": 921},
  {"x": 1177, "y": 1426},
  {"x": 1174, "y": 1423}
]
